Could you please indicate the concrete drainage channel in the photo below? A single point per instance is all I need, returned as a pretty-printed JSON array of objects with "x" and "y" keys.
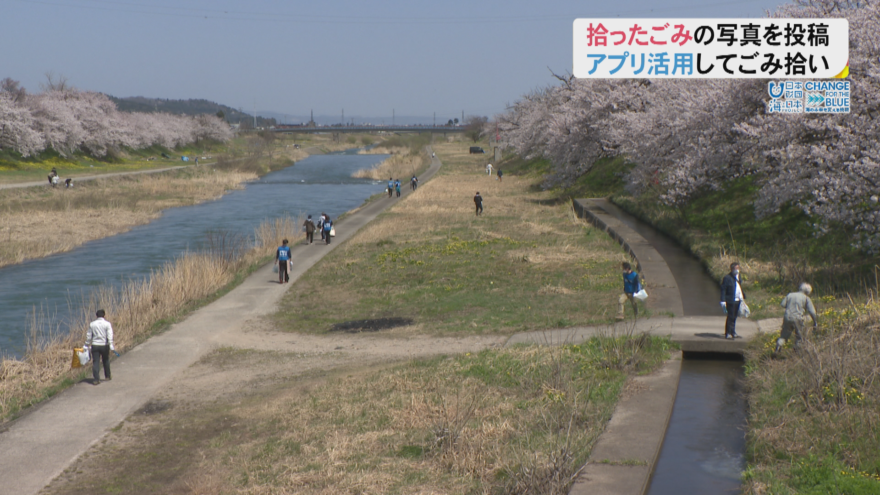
[{"x": 703, "y": 442}]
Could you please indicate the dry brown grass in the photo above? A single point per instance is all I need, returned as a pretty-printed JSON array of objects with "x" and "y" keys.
[
  {"x": 134, "y": 309},
  {"x": 510, "y": 421},
  {"x": 816, "y": 411},
  {"x": 384, "y": 150},
  {"x": 39, "y": 222},
  {"x": 399, "y": 166}
]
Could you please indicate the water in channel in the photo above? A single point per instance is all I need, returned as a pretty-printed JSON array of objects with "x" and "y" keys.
[
  {"x": 705, "y": 441},
  {"x": 703, "y": 450},
  {"x": 320, "y": 183}
]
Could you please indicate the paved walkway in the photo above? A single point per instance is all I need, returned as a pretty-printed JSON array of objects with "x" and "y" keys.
[{"x": 37, "y": 447}]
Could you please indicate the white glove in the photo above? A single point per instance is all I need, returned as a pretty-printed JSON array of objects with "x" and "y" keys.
[
  {"x": 112, "y": 347},
  {"x": 723, "y": 304}
]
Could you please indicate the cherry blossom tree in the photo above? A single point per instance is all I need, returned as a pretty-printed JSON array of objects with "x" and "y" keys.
[
  {"x": 687, "y": 137},
  {"x": 16, "y": 127},
  {"x": 68, "y": 121}
]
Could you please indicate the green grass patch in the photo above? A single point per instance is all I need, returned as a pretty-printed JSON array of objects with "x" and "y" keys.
[{"x": 524, "y": 265}]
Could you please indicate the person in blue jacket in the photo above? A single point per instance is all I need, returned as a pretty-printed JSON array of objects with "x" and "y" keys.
[
  {"x": 631, "y": 286},
  {"x": 390, "y": 186},
  {"x": 328, "y": 226},
  {"x": 282, "y": 259},
  {"x": 732, "y": 296}
]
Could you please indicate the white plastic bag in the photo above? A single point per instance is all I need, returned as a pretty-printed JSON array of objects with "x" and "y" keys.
[
  {"x": 641, "y": 295},
  {"x": 332, "y": 231},
  {"x": 81, "y": 357},
  {"x": 275, "y": 268},
  {"x": 744, "y": 309}
]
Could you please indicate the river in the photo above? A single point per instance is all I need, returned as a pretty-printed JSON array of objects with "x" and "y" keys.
[{"x": 320, "y": 183}]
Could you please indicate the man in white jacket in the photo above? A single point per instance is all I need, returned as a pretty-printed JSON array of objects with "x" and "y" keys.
[{"x": 99, "y": 339}]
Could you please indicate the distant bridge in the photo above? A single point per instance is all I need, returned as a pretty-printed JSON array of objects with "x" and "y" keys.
[{"x": 368, "y": 128}]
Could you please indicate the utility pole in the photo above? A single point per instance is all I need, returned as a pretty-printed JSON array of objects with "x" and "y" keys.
[
  {"x": 435, "y": 119},
  {"x": 255, "y": 114}
]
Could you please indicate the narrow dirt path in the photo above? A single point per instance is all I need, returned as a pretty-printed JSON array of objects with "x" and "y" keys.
[{"x": 94, "y": 177}]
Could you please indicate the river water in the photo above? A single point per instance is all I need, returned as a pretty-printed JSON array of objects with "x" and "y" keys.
[{"x": 320, "y": 183}]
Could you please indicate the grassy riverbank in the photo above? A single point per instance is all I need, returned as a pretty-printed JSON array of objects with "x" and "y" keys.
[
  {"x": 777, "y": 252},
  {"x": 138, "y": 310},
  {"x": 288, "y": 407},
  {"x": 14, "y": 168},
  {"x": 408, "y": 158},
  {"x": 41, "y": 221},
  {"x": 813, "y": 415},
  {"x": 517, "y": 421},
  {"x": 36, "y": 222},
  {"x": 526, "y": 263}
]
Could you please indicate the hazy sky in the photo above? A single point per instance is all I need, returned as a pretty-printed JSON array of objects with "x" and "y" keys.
[{"x": 367, "y": 57}]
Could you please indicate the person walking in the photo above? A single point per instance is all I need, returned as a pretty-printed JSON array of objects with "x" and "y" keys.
[
  {"x": 795, "y": 304},
  {"x": 282, "y": 259},
  {"x": 328, "y": 226},
  {"x": 320, "y": 225},
  {"x": 309, "y": 227},
  {"x": 390, "y": 186},
  {"x": 397, "y": 187},
  {"x": 99, "y": 340},
  {"x": 414, "y": 182},
  {"x": 631, "y": 286},
  {"x": 478, "y": 201},
  {"x": 500, "y": 175},
  {"x": 489, "y": 169},
  {"x": 732, "y": 297},
  {"x": 68, "y": 183}
]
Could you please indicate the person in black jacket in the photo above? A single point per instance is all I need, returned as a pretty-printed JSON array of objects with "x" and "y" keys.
[{"x": 732, "y": 296}]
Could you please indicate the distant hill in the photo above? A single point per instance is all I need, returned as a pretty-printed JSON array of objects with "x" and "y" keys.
[{"x": 181, "y": 107}]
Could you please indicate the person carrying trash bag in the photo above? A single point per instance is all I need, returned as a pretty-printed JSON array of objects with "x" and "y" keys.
[
  {"x": 282, "y": 259},
  {"x": 99, "y": 339},
  {"x": 632, "y": 291},
  {"x": 328, "y": 228}
]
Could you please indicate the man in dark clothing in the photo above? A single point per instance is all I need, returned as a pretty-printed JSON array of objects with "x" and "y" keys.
[
  {"x": 478, "y": 200},
  {"x": 390, "y": 186},
  {"x": 732, "y": 296},
  {"x": 414, "y": 182},
  {"x": 500, "y": 175},
  {"x": 282, "y": 259},
  {"x": 309, "y": 225},
  {"x": 328, "y": 226}
]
